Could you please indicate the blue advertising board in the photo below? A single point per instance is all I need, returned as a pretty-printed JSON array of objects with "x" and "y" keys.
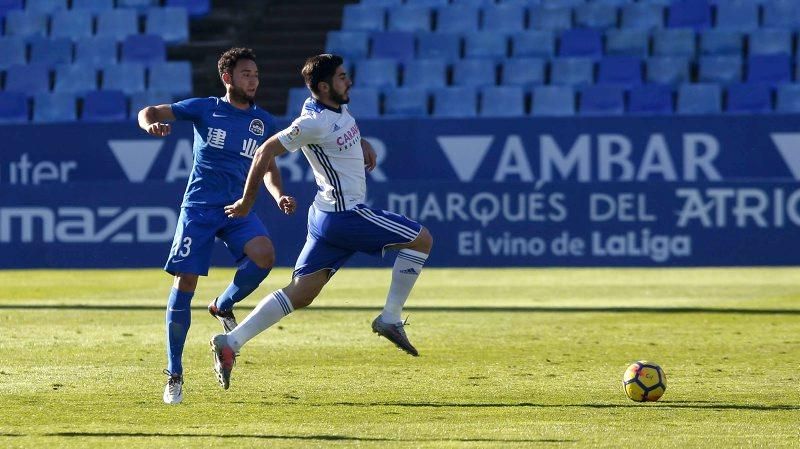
[{"x": 627, "y": 191}]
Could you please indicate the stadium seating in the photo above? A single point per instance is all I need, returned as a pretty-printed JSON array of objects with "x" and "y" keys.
[
  {"x": 788, "y": 98},
  {"x": 674, "y": 42},
  {"x": 581, "y": 42},
  {"x": 720, "y": 69},
  {"x": 553, "y": 101},
  {"x": 474, "y": 73},
  {"x": 444, "y": 46},
  {"x": 363, "y": 18},
  {"x": 376, "y": 73},
  {"x": 392, "y": 44},
  {"x": 92, "y": 6},
  {"x": 455, "y": 102},
  {"x": 117, "y": 23},
  {"x": 770, "y": 41},
  {"x": 196, "y": 8},
  {"x": 409, "y": 18},
  {"x": 9, "y": 5},
  {"x": 485, "y": 44},
  {"x": 75, "y": 79},
  {"x": 104, "y": 106},
  {"x": 689, "y": 14},
  {"x": 503, "y": 18},
  {"x": 781, "y": 14},
  {"x": 652, "y": 99},
  {"x": 642, "y": 15},
  {"x": 523, "y": 72},
  {"x": 670, "y": 70},
  {"x": 127, "y": 77},
  {"x": 571, "y": 71},
  {"x": 406, "y": 102},
  {"x": 140, "y": 100},
  {"x": 597, "y": 15},
  {"x": 721, "y": 42},
  {"x": 351, "y": 45},
  {"x": 294, "y": 105},
  {"x": 45, "y": 6},
  {"x": 554, "y": 19},
  {"x": 49, "y": 52},
  {"x": 770, "y": 69},
  {"x": 619, "y": 70},
  {"x": 533, "y": 43},
  {"x": 96, "y": 52},
  {"x": 701, "y": 98},
  {"x": 13, "y": 107},
  {"x": 749, "y": 98},
  {"x": 171, "y": 77},
  {"x": 364, "y": 103},
  {"x": 75, "y": 24},
  {"x": 425, "y": 74},
  {"x": 140, "y": 5},
  {"x": 54, "y": 107},
  {"x": 457, "y": 19},
  {"x": 627, "y": 42},
  {"x": 26, "y": 24},
  {"x": 502, "y": 101},
  {"x": 171, "y": 23},
  {"x": 30, "y": 79},
  {"x": 13, "y": 51},
  {"x": 601, "y": 100},
  {"x": 144, "y": 48},
  {"x": 737, "y": 15}
]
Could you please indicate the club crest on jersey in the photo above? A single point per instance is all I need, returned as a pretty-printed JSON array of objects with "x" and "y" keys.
[
  {"x": 257, "y": 127},
  {"x": 294, "y": 131}
]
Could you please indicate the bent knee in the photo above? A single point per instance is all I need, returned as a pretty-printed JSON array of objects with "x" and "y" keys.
[
  {"x": 264, "y": 260},
  {"x": 424, "y": 241},
  {"x": 302, "y": 301},
  {"x": 185, "y": 282}
]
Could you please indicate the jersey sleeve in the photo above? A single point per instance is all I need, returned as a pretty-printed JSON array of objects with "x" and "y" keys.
[
  {"x": 190, "y": 109},
  {"x": 303, "y": 131}
]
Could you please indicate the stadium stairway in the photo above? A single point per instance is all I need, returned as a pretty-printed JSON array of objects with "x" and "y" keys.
[{"x": 282, "y": 32}]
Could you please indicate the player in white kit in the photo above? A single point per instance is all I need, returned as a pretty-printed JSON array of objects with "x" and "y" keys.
[{"x": 339, "y": 224}]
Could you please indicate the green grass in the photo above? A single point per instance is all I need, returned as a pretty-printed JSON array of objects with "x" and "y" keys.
[{"x": 509, "y": 358}]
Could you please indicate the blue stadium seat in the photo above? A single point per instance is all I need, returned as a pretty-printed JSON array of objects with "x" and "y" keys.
[
  {"x": 627, "y": 42},
  {"x": 376, "y": 72},
  {"x": 721, "y": 43},
  {"x": 25, "y": 24},
  {"x": 45, "y": 6},
  {"x": 196, "y": 8},
  {"x": 614, "y": 2},
  {"x": 601, "y": 100},
  {"x": 139, "y": 5},
  {"x": 393, "y": 44},
  {"x": 75, "y": 79},
  {"x": 92, "y": 6},
  {"x": 553, "y": 101},
  {"x": 96, "y": 52},
  {"x": 503, "y": 18},
  {"x": 749, "y": 98},
  {"x": 54, "y": 107},
  {"x": 770, "y": 41},
  {"x": 140, "y": 100},
  {"x": 560, "y": 3},
  {"x": 405, "y": 102},
  {"x": 363, "y": 18},
  {"x": 677, "y": 42},
  {"x": 474, "y": 72},
  {"x": 117, "y": 23},
  {"x": 720, "y": 69},
  {"x": 788, "y": 98},
  {"x": 409, "y": 18},
  {"x": 646, "y": 16},
  {"x": 572, "y": 71},
  {"x": 658, "y": 2},
  {"x": 485, "y": 44},
  {"x": 457, "y": 19},
  {"x": 171, "y": 23},
  {"x": 172, "y": 77},
  {"x": 351, "y": 45},
  {"x": 9, "y": 5},
  {"x": 650, "y": 99},
  {"x": 554, "y": 19},
  {"x": 623, "y": 71},
  {"x": 144, "y": 48},
  {"x": 737, "y": 15},
  {"x": 444, "y": 46},
  {"x": 294, "y": 103},
  {"x": 105, "y": 106},
  {"x": 364, "y": 103},
  {"x": 382, "y": 2},
  {"x": 425, "y": 73},
  {"x": 75, "y": 24},
  {"x": 127, "y": 77},
  {"x": 13, "y": 51},
  {"x": 502, "y": 101},
  {"x": 431, "y": 3},
  {"x": 50, "y": 52},
  {"x": 455, "y": 102},
  {"x": 689, "y": 14},
  {"x": 533, "y": 43},
  {"x": 523, "y": 72},
  {"x": 671, "y": 70},
  {"x": 694, "y": 99},
  {"x": 770, "y": 69},
  {"x": 781, "y": 14},
  {"x": 13, "y": 107},
  {"x": 30, "y": 79},
  {"x": 581, "y": 42},
  {"x": 596, "y": 15}
]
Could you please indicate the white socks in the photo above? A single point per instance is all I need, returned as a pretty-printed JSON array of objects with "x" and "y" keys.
[
  {"x": 269, "y": 311},
  {"x": 405, "y": 272}
]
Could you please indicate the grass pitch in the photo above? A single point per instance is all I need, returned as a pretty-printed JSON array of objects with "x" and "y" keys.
[{"x": 509, "y": 358}]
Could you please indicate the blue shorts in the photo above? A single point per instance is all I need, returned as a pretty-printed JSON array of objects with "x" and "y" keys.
[
  {"x": 194, "y": 238},
  {"x": 335, "y": 236}
]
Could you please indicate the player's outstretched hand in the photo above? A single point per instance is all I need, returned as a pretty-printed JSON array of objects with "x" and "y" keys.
[
  {"x": 159, "y": 129},
  {"x": 370, "y": 158},
  {"x": 238, "y": 209},
  {"x": 287, "y": 204}
]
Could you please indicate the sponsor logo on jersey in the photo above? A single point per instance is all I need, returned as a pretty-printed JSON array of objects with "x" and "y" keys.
[
  {"x": 257, "y": 127},
  {"x": 294, "y": 131}
]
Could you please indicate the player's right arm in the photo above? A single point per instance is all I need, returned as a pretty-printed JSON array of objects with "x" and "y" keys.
[
  {"x": 152, "y": 119},
  {"x": 262, "y": 160}
]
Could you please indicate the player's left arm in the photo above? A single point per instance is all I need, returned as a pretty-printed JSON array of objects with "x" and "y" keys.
[
  {"x": 370, "y": 157},
  {"x": 264, "y": 156},
  {"x": 272, "y": 180}
]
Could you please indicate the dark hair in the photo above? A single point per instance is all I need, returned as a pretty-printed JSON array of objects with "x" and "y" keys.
[
  {"x": 229, "y": 59},
  {"x": 320, "y": 68}
]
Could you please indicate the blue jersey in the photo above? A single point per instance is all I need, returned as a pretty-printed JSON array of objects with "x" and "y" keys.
[{"x": 225, "y": 140}]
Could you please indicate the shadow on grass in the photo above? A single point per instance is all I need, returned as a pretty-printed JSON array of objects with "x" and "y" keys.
[
  {"x": 303, "y": 437},
  {"x": 695, "y": 405},
  {"x": 478, "y": 309}
]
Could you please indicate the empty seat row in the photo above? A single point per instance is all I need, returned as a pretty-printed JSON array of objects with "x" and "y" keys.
[
  {"x": 97, "y": 106},
  {"x": 195, "y": 7},
  {"x": 506, "y": 101},
  {"x": 515, "y": 16},
  {"x": 143, "y": 48},
  {"x": 174, "y": 78},
  {"x": 171, "y": 23}
]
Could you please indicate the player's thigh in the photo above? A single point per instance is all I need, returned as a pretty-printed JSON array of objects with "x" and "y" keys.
[
  {"x": 192, "y": 244},
  {"x": 248, "y": 236},
  {"x": 319, "y": 255},
  {"x": 374, "y": 230}
]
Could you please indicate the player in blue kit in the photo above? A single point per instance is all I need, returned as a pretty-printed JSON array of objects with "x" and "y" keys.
[
  {"x": 227, "y": 131},
  {"x": 339, "y": 223}
]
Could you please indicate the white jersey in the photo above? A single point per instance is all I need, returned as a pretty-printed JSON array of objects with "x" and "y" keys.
[{"x": 331, "y": 142}]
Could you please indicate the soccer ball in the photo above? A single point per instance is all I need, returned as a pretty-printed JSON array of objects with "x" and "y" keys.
[{"x": 644, "y": 381}]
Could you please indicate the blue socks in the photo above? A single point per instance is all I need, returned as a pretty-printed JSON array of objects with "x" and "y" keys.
[
  {"x": 247, "y": 279},
  {"x": 179, "y": 318}
]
